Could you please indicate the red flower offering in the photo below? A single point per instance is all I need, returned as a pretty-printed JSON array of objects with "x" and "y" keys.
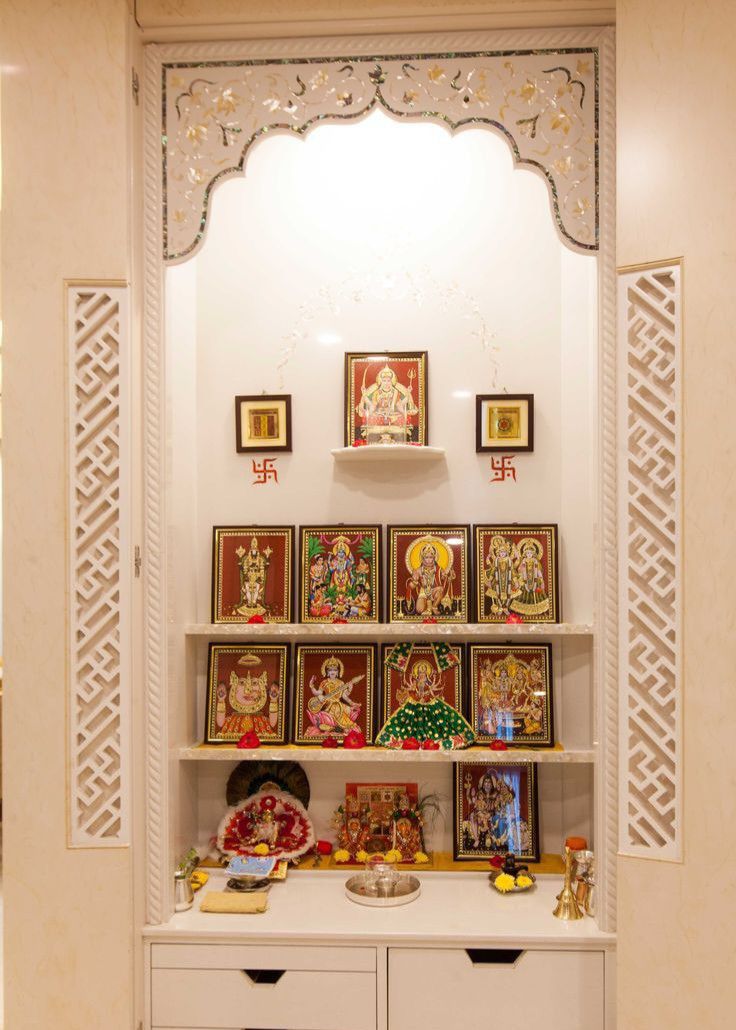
[
  {"x": 430, "y": 745},
  {"x": 496, "y": 862},
  {"x": 324, "y": 847},
  {"x": 359, "y": 443},
  {"x": 339, "y": 621},
  {"x": 256, "y": 619},
  {"x": 410, "y": 744},
  {"x": 433, "y": 622},
  {"x": 329, "y": 742},
  {"x": 353, "y": 740},
  {"x": 513, "y": 619},
  {"x": 498, "y": 745},
  {"x": 249, "y": 740}
]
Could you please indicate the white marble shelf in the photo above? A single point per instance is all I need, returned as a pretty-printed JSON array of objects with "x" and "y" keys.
[
  {"x": 389, "y": 453},
  {"x": 387, "y": 630},
  {"x": 293, "y": 752},
  {"x": 457, "y": 908}
]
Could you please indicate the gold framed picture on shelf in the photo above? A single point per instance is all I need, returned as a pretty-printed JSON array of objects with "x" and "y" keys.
[
  {"x": 495, "y": 810},
  {"x": 340, "y": 574},
  {"x": 516, "y": 575},
  {"x": 504, "y": 422},
  {"x": 334, "y": 692},
  {"x": 386, "y": 398},
  {"x": 429, "y": 573},
  {"x": 510, "y": 694},
  {"x": 252, "y": 573},
  {"x": 247, "y": 693}
]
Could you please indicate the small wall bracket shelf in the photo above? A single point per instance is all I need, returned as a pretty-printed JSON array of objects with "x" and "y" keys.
[{"x": 387, "y": 453}]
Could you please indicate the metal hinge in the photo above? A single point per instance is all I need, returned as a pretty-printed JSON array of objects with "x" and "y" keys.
[
  {"x": 135, "y": 85},
  {"x": 137, "y": 561}
]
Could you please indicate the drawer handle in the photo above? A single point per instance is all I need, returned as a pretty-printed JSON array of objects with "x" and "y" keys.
[
  {"x": 264, "y": 976},
  {"x": 493, "y": 956}
]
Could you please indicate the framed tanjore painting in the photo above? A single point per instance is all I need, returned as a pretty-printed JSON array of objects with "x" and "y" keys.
[
  {"x": 247, "y": 692},
  {"x": 510, "y": 694},
  {"x": 252, "y": 573},
  {"x": 340, "y": 574},
  {"x": 386, "y": 398},
  {"x": 516, "y": 573},
  {"x": 421, "y": 679},
  {"x": 495, "y": 810},
  {"x": 263, "y": 423},
  {"x": 504, "y": 422},
  {"x": 429, "y": 573},
  {"x": 334, "y": 692}
]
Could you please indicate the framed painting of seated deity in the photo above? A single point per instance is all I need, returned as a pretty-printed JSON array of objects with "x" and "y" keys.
[
  {"x": 334, "y": 692},
  {"x": 516, "y": 573},
  {"x": 510, "y": 694},
  {"x": 340, "y": 574},
  {"x": 420, "y": 678},
  {"x": 252, "y": 573},
  {"x": 495, "y": 810},
  {"x": 429, "y": 573},
  {"x": 247, "y": 692},
  {"x": 386, "y": 398}
]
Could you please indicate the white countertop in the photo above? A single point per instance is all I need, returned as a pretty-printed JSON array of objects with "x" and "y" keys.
[{"x": 453, "y": 908}]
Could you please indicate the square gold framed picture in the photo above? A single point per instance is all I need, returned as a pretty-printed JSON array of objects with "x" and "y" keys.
[
  {"x": 386, "y": 398},
  {"x": 429, "y": 573},
  {"x": 516, "y": 573},
  {"x": 263, "y": 423},
  {"x": 504, "y": 422}
]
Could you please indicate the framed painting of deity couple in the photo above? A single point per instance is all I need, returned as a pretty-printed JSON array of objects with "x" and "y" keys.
[
  {"x": 516, "y": 573},
  {"x": 495, "y": 810},
  {"x": 386, "y": 398}
]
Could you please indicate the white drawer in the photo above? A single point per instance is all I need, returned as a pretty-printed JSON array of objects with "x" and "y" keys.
[
  {"x": 230, "y": 999},
  {"x": 434, "y": 989},
  {"x": 268, "y": 956}
]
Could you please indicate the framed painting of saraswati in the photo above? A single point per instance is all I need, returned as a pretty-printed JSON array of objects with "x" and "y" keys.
[
  {"x": 247, "y": 692},
  {"x": 429, "y": 573},
  {"x": 495, "y": 810},
  {"x": 510, "y": 694},
  {"x": 252, "y": 573},
  {"x": 340, "y": 574},
  {"x": 516, "y": 573},
  {"x": 334, "y": 692},
  {"x": 386, "y": 398}
]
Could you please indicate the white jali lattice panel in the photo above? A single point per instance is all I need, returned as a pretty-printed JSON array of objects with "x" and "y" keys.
[
  {"x": 650, "y": 315},
  {"x": 97, "y": 330}
]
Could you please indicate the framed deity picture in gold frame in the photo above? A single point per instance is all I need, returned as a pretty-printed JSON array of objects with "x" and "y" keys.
[
  {"x": 263, "y": 423},
  {"x": 495, "y": 810},
  {"x": 510, "y": 694},
  {"x": 340, "y": 573},
  {"x": 334, "y": 692},
  {"x": 429, "y": 573},
  {"x": 504, "y": 422},
  {"x": 247, "y": 692},
  {"x": 516, "y": 573},
  {"x": 386, "y": 398},
  {"x": 252, "y": 573}
]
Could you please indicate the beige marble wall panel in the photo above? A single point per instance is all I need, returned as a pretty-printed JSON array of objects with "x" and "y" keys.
[
  {"x": 68, "y": 932},
  {"x": 677, "y": 166},
  {"x": 217, "y": 19}
]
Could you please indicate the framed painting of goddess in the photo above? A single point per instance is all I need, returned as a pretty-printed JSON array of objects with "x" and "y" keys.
[
  {"x": 421, "y": 680},
  {"x": 516, "y": 573},
  {"x": 252, "y": 573},
  {"x": 386, "y": 398},
  {"x": 334, "y": 692},
  {"x": 340, "y": 574},
  {"x": 247, "y": 692},
  {"x": 510, "y": 694},
  {"x": 495, "y": 810},
  {"x": 429, "y": 573}
]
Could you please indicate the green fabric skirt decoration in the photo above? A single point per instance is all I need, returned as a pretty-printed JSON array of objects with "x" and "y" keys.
[{"x": 435, "y": 720}]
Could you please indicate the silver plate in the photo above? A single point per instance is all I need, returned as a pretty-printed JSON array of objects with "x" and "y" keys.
[{"x": 407, "y": 889}]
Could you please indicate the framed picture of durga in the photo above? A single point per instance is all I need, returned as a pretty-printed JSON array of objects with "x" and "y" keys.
[
  {"x": 429, "y": 573},
  {"x": 340, "y": 574},
  {"x": 421, "y": 680},
  {"x": 334, "y": 692},
  {"x": 510, "y": 694},
  {"x": 495, "y": 811},
  {"x": 252, "y": 573},
  {"x": 386, "y": 398},
  {"x": 247, "y": 692},
  {"x": 516, "y": 573}
]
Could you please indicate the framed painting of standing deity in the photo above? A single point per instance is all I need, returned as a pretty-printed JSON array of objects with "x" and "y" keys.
[
  {"x": 510, "y": 694},
  {"x": 516, "y": 573},
  {"x": 386, "y": 398},
  {"x": 334, "y": 692},
  {"x": 263, "y": 423},
  {"x": 495, "y": 810},
  {"x": 247, "y": 692},
  {"x": 252, "y": 573},
  {"x": 340, "y": 574},
  {"x": 422, "y": 679},
  {"x": 504, "y": 422},
  {"x": 429, "y": 573}
]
